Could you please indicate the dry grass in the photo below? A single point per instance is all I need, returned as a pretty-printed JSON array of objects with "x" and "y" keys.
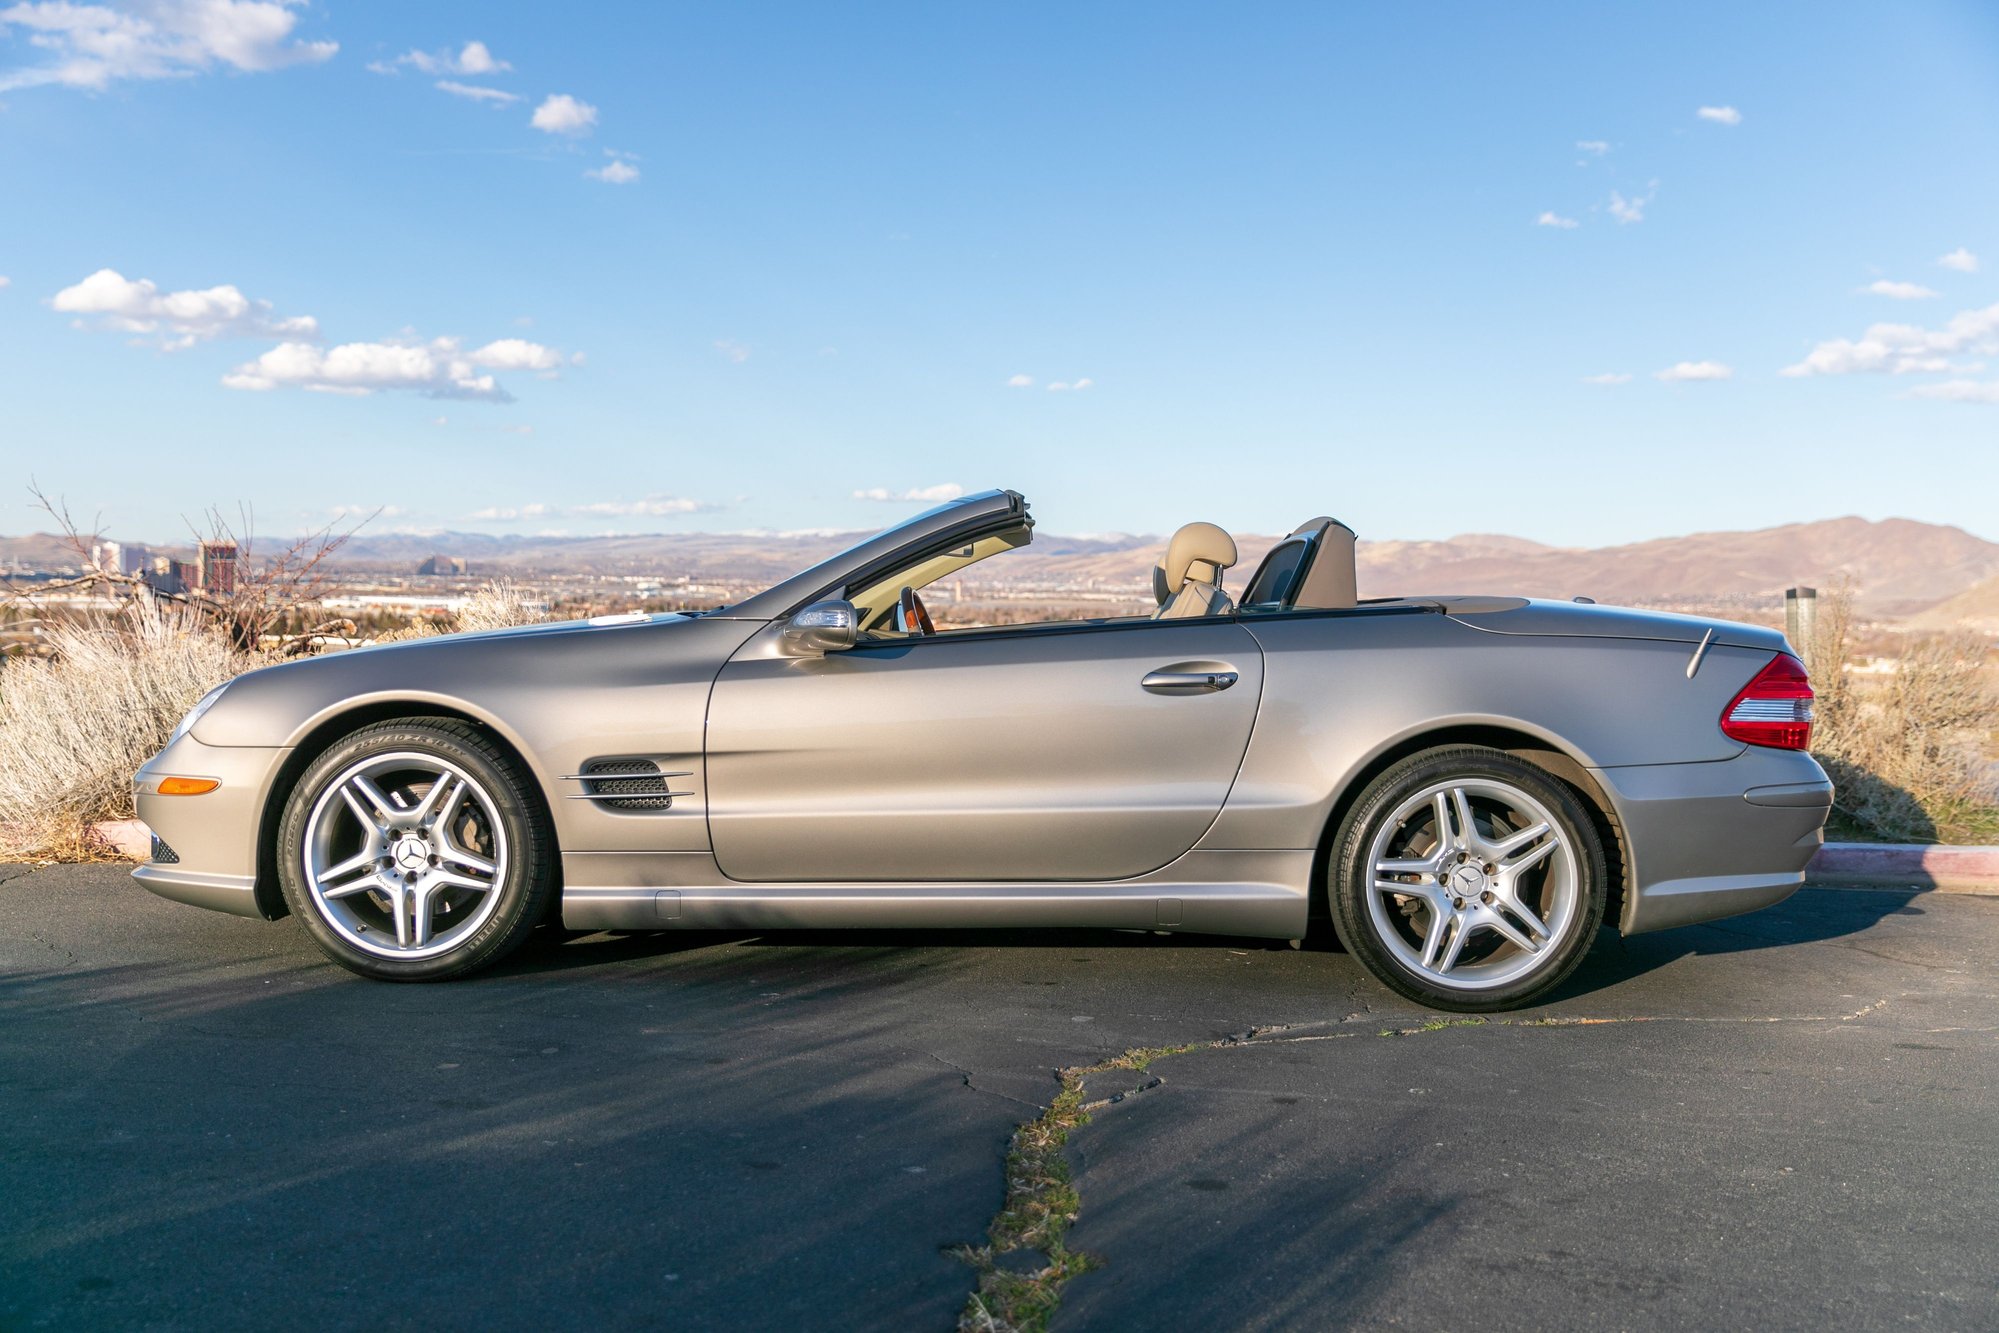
[
  {"x": 77, "y": 723},
  {"x": 1040, "y": 1205},
  {"x": 75, "y": 726},
  {"x": 1906, "y": 751}
]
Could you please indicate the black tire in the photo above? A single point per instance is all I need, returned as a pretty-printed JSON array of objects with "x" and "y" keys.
[
  {"x": 1352, "y": 884},
  {"x": 525, "y": 885}
]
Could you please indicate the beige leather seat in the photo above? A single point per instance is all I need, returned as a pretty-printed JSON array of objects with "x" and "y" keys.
[{"x": 1195, "y": 559}]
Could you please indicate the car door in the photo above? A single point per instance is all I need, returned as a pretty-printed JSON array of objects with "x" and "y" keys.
[{"x": 1073, "y": 752}]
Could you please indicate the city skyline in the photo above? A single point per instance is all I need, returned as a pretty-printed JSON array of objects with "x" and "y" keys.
[{"x": 1573, "y": 276}]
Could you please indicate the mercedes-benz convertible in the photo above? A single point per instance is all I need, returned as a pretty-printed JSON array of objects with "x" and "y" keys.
[{"x": 1468, "y": 786}]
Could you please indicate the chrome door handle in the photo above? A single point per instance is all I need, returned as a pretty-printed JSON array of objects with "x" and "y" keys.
[{"x": 1187, "y": 682}]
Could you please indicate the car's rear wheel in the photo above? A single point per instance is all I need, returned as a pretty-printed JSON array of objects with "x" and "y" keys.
[
  {"x": 1468, "y": 879},
  {"x": 414, "y": 850}
]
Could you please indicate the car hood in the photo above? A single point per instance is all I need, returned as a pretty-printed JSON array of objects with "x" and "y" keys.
[{"x": 264, "y": 706}]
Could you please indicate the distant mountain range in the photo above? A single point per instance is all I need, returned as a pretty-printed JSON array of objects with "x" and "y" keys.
[{"x": 1897, "y": 567}]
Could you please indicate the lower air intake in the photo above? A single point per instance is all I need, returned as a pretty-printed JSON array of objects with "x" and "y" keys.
[{"x": 164, "y": 855}]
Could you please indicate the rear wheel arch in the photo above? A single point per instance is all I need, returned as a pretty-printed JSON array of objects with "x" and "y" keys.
[
  {"x": 1538, "y": 750},
  {"x": 327, "y": 733}
]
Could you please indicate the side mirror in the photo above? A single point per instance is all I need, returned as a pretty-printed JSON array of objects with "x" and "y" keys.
[{"x": 823, "y": 627}]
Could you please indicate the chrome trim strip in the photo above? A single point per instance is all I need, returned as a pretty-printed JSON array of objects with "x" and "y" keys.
[
  {"x": 605, "y": 777},
  {"x": 621, "y": 796},
  {"x": 1270, "y": 910}
]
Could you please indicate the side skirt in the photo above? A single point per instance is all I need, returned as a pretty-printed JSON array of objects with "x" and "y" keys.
[{"x": 1262, "y": 893}]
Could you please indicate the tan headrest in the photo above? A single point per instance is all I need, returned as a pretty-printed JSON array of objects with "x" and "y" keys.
[{"x": 1195, "y": 546}]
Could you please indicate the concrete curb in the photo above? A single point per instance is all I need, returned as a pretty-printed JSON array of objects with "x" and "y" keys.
[
  {"x": 1923, "y": 866},
  {"x": 130, "y": 838}
]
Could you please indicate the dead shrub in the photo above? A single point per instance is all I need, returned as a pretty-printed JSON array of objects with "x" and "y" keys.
[
  {"x": 76, "y": 725},
  {"x": 1906, "y": 750}
]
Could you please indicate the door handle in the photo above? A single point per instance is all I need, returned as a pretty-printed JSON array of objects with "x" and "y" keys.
[{"x": 1188, "y": 682}]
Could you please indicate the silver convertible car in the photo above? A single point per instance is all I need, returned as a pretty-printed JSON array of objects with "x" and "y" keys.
[{"x": 1470, "y": 787}]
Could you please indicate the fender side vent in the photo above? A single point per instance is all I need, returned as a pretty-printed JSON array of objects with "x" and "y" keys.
[
  {"x": 635, "y": 785},
  {"x": 164, "y": 855}
]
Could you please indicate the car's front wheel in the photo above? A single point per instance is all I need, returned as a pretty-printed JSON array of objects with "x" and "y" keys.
[
  {"x": 1468, "y": 879},
  {"x": 414, "y": 850}
]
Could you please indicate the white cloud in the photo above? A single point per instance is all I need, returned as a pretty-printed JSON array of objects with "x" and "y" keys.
[
  {"x": 560, "y": 113},
  {"x": 1904, "y": 349},
  {"x": 1690, "y": 372},
  {"x": 1960, "y": 260},
  {"x": 5, "y": 282},
  {"x": 616, "y": 172},
  {"x": 1020, "y": 382},
  {"x": 653, "y": 506},
  {"x": 474, "y": 59},
  {"x": 108, "y": 299},
  {"x": 436, "y": 369},
  {"x": 733, "y": 350},
  {"x": 1594, "y": 147},
  {"x": 1608, "y": 377},
  {"x": 1632, "y": 209},
  {"x": 1720, "y": 115},
  {"x": 1062, "y": 386},
  {"x": 1899, "y": 291},
  {"x": 1961, "y": 391},
  {"x": 94, "y": 46},
  {"x": 516, "y": 354},
  {"x": 1553, "y": 219},
  {"x": 497, "y": 97},
  {"x": 921, "y": 494}
]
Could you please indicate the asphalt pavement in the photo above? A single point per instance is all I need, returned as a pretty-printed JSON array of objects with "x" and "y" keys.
[{"x": 1786, "y": 1120}]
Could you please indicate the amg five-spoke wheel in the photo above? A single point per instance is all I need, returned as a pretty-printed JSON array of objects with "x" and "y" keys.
[
  {"x": 412, "y": 851},
  {"x": 1469, "y": 879},
  {"x": 402, "y": 854}
]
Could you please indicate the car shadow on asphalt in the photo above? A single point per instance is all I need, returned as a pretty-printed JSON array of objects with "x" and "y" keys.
[{"x": 1812, "y": 916}]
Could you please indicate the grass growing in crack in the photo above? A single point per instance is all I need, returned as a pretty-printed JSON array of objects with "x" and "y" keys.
[{"x": 1041, "y": 1203}]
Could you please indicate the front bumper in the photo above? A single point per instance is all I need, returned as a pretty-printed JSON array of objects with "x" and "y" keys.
[
  {"x": 212, "y": 861},
  {"x": 1710, "y": 840}
]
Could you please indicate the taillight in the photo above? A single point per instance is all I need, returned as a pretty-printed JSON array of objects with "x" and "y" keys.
[{"x": 1774, "y": 709}]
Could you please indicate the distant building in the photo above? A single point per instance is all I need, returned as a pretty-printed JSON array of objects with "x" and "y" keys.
[
  {"x": 118, "y": 557},
  {"x": 216, "y": 568},
  {"x": 445, "y": 564},
  {"x": 172, "y": 576}
]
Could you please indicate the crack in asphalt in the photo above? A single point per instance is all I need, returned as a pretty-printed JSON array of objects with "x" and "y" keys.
[
  {"x": 1041, "y": 1200},
  {"x": 966, "y": 1076}
]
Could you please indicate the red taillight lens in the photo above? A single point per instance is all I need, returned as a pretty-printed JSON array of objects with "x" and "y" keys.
[{"x": 1774, "y": 709}]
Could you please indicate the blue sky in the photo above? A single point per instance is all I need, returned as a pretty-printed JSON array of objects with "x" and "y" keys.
[{"x": 723, "y": 267}]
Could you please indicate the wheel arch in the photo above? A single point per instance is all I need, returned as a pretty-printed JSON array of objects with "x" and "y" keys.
[
  {"x": 1542, "y": 749},
  {"x": 323, "y": 732}
]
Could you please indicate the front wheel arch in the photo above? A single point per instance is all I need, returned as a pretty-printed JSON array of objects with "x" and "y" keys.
[{"x": 328, "y": 733}]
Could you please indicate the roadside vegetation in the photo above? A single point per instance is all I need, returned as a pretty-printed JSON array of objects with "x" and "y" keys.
[
  {"x": 1909, "y": 747},
  {"x": 101, "y": 693}
]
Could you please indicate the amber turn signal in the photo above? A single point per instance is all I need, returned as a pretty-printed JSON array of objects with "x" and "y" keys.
[{"x": 187, "y": 786}]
